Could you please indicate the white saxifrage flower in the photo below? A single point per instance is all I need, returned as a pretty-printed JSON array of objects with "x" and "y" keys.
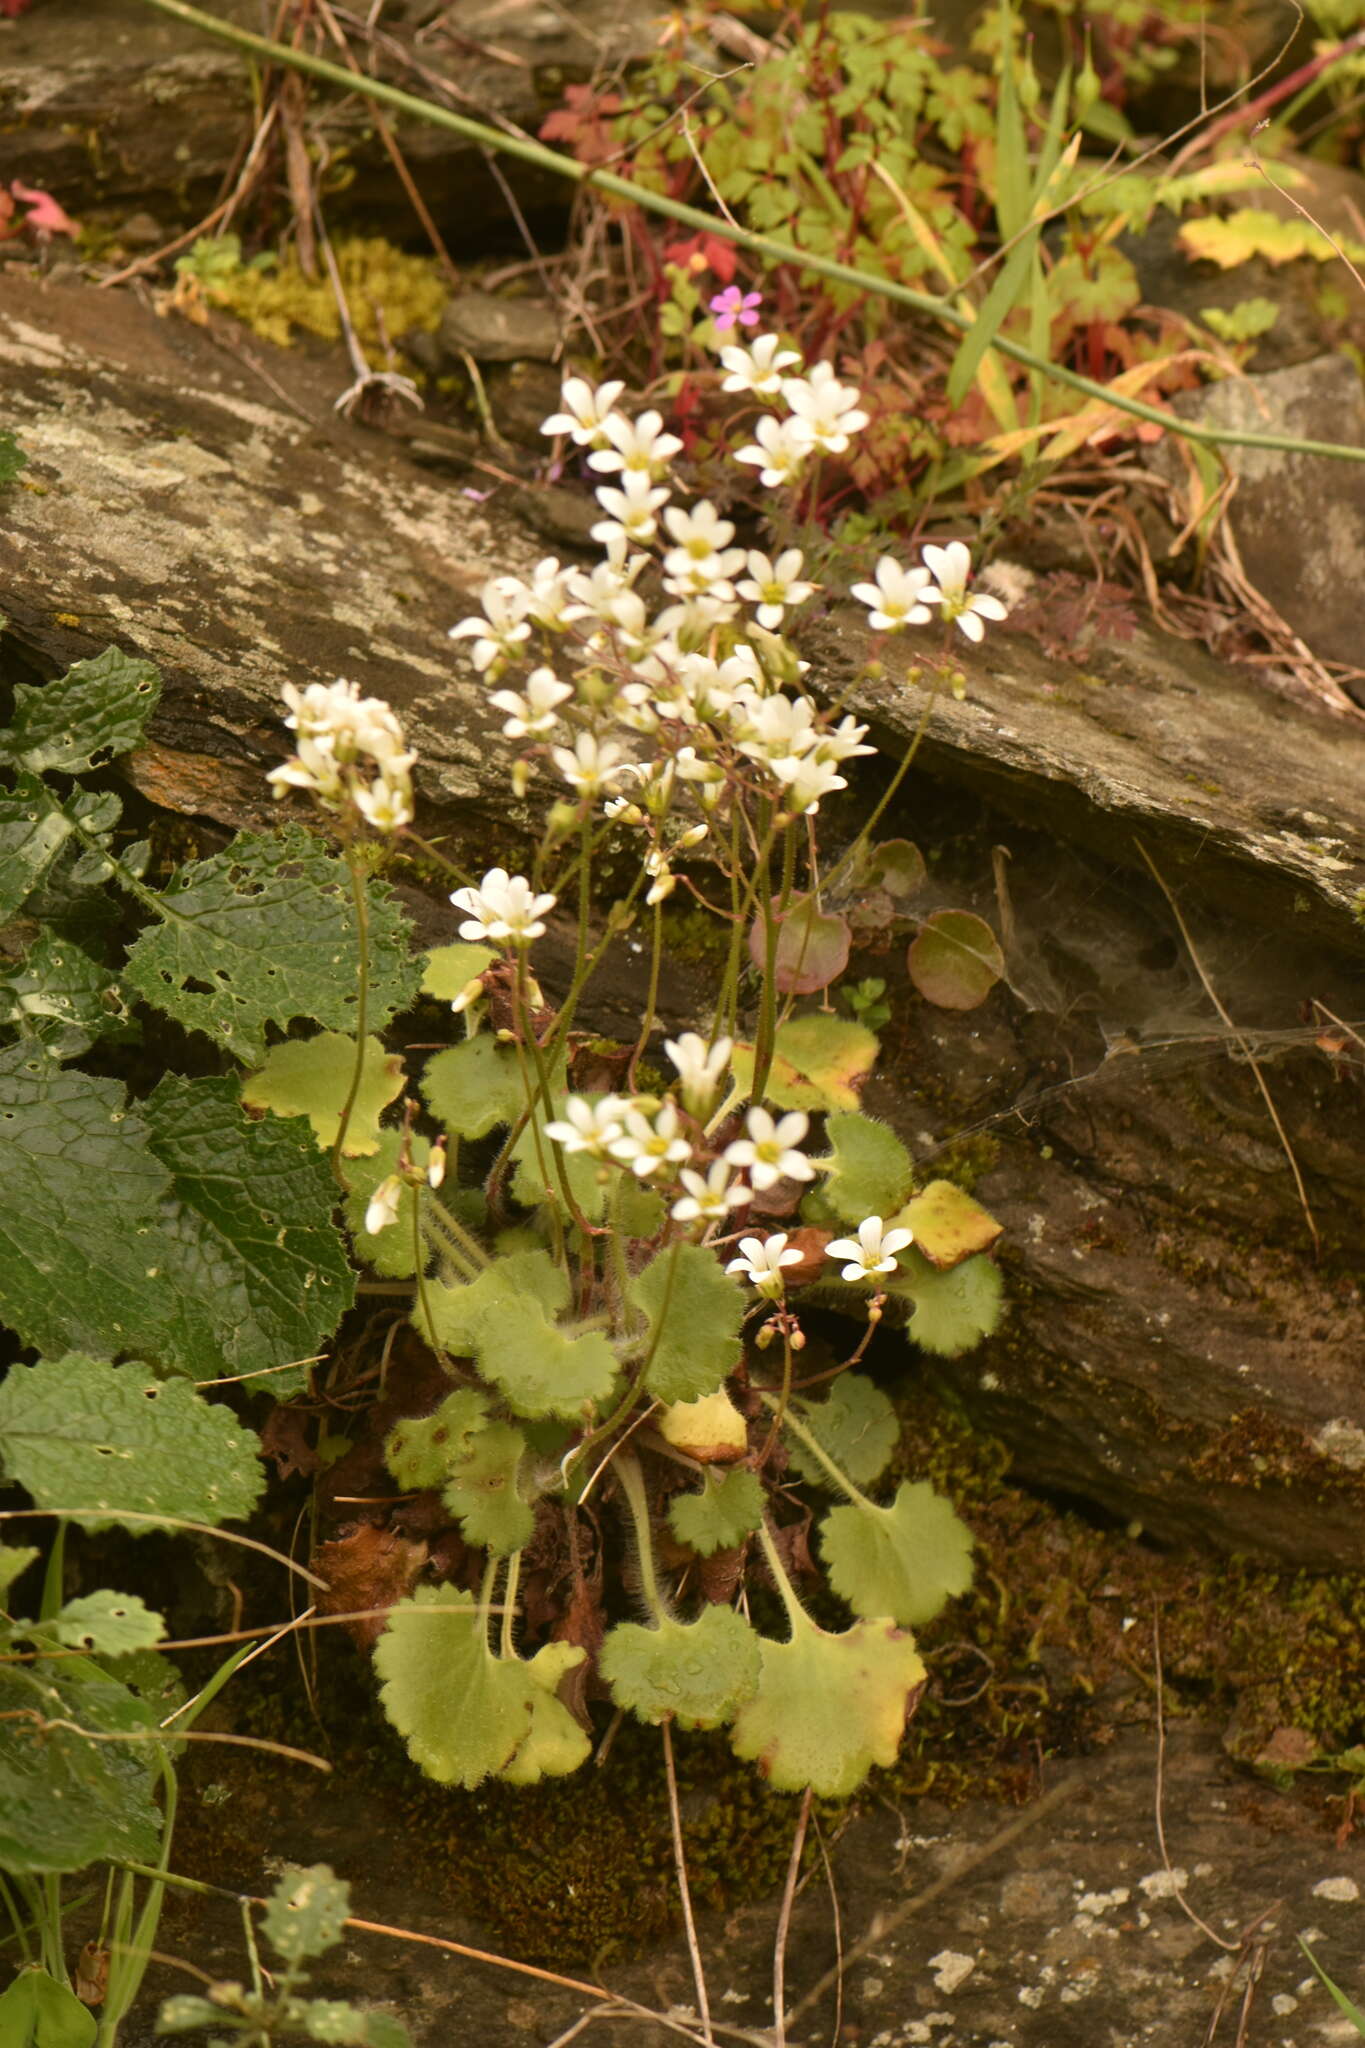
[
  {"x": 383, "y": 1205},
  {"x": 534, "y": 709},
  {"x": 701, "y": 1068},
  {"x": 843, "y": 741},
  {"x": 872, "y": 1251},
  {"x": 896, "y": 596},
  {"x": 385, "y": 803},
  {"x": 711, "y": 1196},
  {"x": 771, "y": 728},
  {"x": 646, "y": 1147},
  {"x": 589, "y": 764},
  {"x": 778, "y": 449},
  {"x": 631, "y": 509},
  {"x": 805, "y": 779},
  {"x": 588, "y": 1126},
  {"x": 950, "y": 567},
  {"x": 700, "y": 544},
  {"x": 635, "y": 444},
  {"x": 828, "y": 410},
  {"x": 775, "y": 586},
  {"x": 503, "y": 907},
  {"x": 350, "y": 750},
  {"x": 584, "y": 411},
  {"x": 768, "y": 1149},
  {"x": 758, "y": 368},
  {"x": 499, "y": 633},
  {"x": 761, "y": 1260}
]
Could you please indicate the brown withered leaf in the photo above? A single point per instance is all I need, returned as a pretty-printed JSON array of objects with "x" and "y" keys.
[
  {"x": 286, "y": 1438},
  {"x": 367, "y": 1568},
  {"x": 92, "y": 1974}
]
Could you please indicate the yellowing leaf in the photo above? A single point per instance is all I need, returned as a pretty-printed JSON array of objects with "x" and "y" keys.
[
  {"x": 711, "y": 1430},
  {"x": 820, "y": 1062},
  {"x": 948, "y": 1224},
  {"x": 829, "y": 1707},
  {"x": 1256, "y": 231},
  {"x": 312, "y": 1077},
  {"x": 450, "y": 969}
]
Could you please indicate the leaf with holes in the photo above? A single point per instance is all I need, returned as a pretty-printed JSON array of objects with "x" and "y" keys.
[
  {"x": 694, "y": 1311},
  {"x": 952, "y": 1311},
  {"x": 107, "y": 1624},
  {"x": 811, "y": 951},
  {"x": 829, "y": 1707},
  {"x": 855, "y": 1426},
  {"x": 57, "y": 983},
  {"x": 948, "y": 1224},
  {"x": 698, "y": 1673},
  {"x": 313, "y": 1077},
  {"x": 66, "y": 1801},
  {"x": 257, "y": 1272},
  {"x": 464, "y": 1713},
  {"x": 97, "y": 710},
  {"x": 474, "y": 1086},
  {"x": 36, "y": 826},
  {"x": 955, "y": 961},
  {"x": 907, "y": 1560},
  {"x": 306, "y": 1913},
  {"x": 80, "y": 1433},
  {"x": 264, "y": 933},
  {"x": 820, "y": 1062},
  {"x": 721, "y": 1515},
  {"x": 869, "y": 1171}
]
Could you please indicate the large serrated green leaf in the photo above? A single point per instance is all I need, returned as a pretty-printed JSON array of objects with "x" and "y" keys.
[
  {"x": 306, "y": 1912},
  {"x": 951, "y": 1311},
  {"x": 474, "y": 1086},
  {"x": 829, "y": 1707},
  {"x": 855, "y": 1425},
  {"x": 869, "y": 1171},
  {"x": 313, "y": 1077},
  {"x": 258, "y": 1274},
  {"x": 98, "y": 709},
  {"x": 464, "y": 1713},
  {"x": 79, "y": 1433},
  {"x": 694, "y": 1311},
  {"x": 721, "y": 1515},
  {"x": 108, "y": 1624},
  {"x": 907, "y": 1560},
  {"x": 65, "y": 1801},
  {"x": 698, "y": 1673},
  {"x": 56, "y": 981},
  {"x": 35, "y": 826},
  {"x": 264, "y": 933},
  {"x": 35, "y": 2010}
]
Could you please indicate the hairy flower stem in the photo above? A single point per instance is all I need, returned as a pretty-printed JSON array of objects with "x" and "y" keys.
[
  {"x": 651, "y": 997},
  {"x": 509, "y": 1605},
  {"x": 362, "y": 1001},
  {"x": 767, "y": 1016},
  {"x": 779, "y": 1409},
  {"x": 631, "y": 1481},
  {"x": 797, "y": 1617},
  {"x": 808, "y": 1442}
]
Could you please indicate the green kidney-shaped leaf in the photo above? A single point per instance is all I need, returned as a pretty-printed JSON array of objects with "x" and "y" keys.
[
  {"x": 98, "y": 709},
  {"x": 108, "y": 1624},
  {"x": 423, "y": 1450},
  {"x": 264, "y": 933},
  {"x": 484, "y": 1490},
  {"x": 955, "y": 960},
  {"x": 502, "y": 1321},
  {"x": 869, "y": 1171},
  {"x": 721, "y": 1515},
  {"x": 257, "y": 1270},
  {"x": 829, "y": 1707},
  {"x": 907, "y": 1560},
  {"x": 474, "y": 1086},
  {"x": 450, "y": 969},
  {"x": 78, "y": 1433},
  {"x": 952, "y": 1311},
  {"x": 306, "y": 1913},
  {"x": 464, "y": 1713},
  {"x": 66, "y": 1801},
  {"x": 38, "y": 2012},
  {"x": 312, "y": 1077},
  {"x": 694, "y": 1310},
  {"x": 856, "y": 1427},
  {"x": 812, "y": 947},
  {"x": 699, "y": 1672}
]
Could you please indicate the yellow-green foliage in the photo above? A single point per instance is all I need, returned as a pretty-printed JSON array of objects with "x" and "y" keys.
[{"x": 273, "y": 297}]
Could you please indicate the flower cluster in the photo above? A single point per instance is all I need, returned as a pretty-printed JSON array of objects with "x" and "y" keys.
[
  {"x": 349, "y": 754},
  {"x": 903, "y": 597}
]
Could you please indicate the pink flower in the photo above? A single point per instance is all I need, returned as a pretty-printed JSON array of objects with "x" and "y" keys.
[{"x": 732, "y": 305}]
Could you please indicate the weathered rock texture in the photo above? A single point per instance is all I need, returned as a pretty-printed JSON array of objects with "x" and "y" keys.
[{"x": 1174, "y": 1352}]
